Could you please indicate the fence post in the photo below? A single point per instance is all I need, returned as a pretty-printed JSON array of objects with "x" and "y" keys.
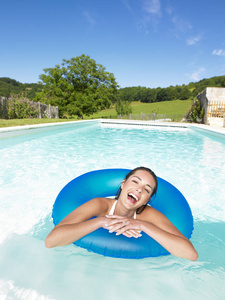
[
  {"x": 223, "y": 120},
  {"x": 49, "y": 111},
  {"x": 39, "y": 110},
  {"x": 4, "y": 101},
  {"x": 3, "y": 108},
  {"x": 130, "y": 116}
]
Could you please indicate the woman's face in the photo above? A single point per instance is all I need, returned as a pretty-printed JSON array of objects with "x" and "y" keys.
[{"x": 137, "y": 189}]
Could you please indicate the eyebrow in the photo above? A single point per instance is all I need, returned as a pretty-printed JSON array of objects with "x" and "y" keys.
[{"x": 141, "y": 180}]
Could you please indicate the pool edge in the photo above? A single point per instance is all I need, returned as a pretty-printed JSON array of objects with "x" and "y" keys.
[{"x": 200, "y": 127}]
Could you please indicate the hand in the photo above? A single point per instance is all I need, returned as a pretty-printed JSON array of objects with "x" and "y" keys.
[
  {"x": 123, "y": 225},
  {"x": 131, "y": 233}
]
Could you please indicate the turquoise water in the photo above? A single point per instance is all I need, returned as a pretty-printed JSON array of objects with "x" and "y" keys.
[{"x": 34, "y": 167}]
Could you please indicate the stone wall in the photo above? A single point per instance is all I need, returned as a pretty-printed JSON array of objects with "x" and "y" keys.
[{"x": 212, "y": 100}]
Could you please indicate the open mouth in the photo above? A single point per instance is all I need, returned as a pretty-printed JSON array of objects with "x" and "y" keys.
[{"x": 133, "y": 198}]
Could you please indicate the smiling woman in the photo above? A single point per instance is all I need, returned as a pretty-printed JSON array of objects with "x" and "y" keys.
[
  {"x": 149, "y": 189},
  {"x": 128, "y": 216}
]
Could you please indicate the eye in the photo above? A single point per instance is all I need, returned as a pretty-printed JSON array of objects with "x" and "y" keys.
[
  {"x": 135, "y": 181},
  {"x": 147, "y": 191}
]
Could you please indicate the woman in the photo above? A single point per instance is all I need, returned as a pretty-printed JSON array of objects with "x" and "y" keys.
[{"x": 128, "y": 215}]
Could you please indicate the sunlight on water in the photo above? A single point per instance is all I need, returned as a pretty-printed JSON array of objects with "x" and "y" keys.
[{"x": 34, "y": 170}]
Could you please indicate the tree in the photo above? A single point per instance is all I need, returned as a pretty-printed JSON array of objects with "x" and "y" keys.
[
  {"x": 123, "y": 107},
  {"x": 163, "y": 95},
  {"x": 128, "y": 94},
  {"x": 78, "y": 86},
  {"x": 149, "y": 95}
]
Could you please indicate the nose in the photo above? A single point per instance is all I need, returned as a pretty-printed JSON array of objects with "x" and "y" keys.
[{"x": 139, "y": 189}]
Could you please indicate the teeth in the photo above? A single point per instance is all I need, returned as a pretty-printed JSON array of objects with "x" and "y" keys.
[{"x": 134, "y": 196}]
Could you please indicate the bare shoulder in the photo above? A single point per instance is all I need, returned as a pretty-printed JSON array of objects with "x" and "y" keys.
[
  {"x": 151, "y": 214},
  {"x": 96, "y": 207},
  {"x": 101, "y": 205}
]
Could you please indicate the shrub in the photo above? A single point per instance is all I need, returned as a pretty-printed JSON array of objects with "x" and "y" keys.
[
  {"x": 123, "y": 107},
  {"x": 20, "y": 107},
  {"x": 196, "y": 113}
]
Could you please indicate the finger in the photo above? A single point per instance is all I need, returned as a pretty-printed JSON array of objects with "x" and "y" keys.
[
  {"x": 127, "y": 234},
  {"x": 130, "y": 231},
  {"x": 134, "y": 233},
  {"x": 118, "y": 225},
  {"x": 114, "y": 217},
  {"x": 115, "y": 227},
  {"x": 115, "y": 221}
]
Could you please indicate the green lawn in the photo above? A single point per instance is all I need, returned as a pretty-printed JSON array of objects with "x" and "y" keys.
[
  {"x": 21, "y": 122},
  {"x": 178, "y": 107}
]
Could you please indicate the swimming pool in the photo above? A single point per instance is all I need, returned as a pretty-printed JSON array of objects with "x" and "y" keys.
[{"x": 36, "y": 164}]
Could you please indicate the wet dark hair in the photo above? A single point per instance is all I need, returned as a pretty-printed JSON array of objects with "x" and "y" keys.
[{"x": 140, "y": 210}]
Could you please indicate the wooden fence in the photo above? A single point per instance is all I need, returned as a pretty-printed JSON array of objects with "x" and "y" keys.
[
  {"x": 3, "y": 108},
  {"x": 44, "y": 110},
  {"x": 153, "y": 117},
  {"x": 47, "y": 111},
  {"x": 216, "y": 109}
]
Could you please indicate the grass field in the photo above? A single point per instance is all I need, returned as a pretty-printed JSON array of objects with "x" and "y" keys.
[
  {"x": 168, "y": 107},
  {"x": 177, "y": 107}
]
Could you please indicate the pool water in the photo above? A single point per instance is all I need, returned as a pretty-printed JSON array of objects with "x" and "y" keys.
[{"x": 36, "y": 165}]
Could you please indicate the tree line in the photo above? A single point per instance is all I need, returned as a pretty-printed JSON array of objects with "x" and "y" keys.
[
  {"x": 178, "y": 92},
  {"x": 80, "y": 86}
]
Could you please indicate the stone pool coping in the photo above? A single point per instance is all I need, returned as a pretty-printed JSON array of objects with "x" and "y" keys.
[
  {"x": 26, "y": 127},
  {"x": 216, "y": 130}
]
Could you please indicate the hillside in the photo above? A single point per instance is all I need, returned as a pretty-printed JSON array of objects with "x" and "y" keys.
[
  {"x": 178, "y": 92},
  {"x": 10, "y": 86}
]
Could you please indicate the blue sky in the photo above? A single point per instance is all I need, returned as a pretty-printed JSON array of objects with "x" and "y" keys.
[{"x": 142, "y": 42}]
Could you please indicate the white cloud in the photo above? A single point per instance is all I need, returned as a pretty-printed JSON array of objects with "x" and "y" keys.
[
  {"x": 193, "y": 40},
  {"x": 89, "y": 18},
  {"x": 169, "y": 10},
  {"x": 196, "y": 75},
  {"x": 219, "y": 52},
  {"x": 127, "y": 4},
  {"x": 152, "y": 14},
  {"x": 152, "y": 7},
  {"x": 181, "y": 25}
]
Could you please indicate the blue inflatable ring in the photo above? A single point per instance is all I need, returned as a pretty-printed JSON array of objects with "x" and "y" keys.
[{"x": 105, "y": 183}]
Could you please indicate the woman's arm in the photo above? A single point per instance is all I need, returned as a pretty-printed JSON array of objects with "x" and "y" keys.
[
  {"x": 171, "y": 240},
  {"x": 160, "y": 229},
  {"x": 79, "y": 223}
]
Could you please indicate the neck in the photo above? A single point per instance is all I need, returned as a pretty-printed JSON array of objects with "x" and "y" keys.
[{"x": 122, "y": 211}]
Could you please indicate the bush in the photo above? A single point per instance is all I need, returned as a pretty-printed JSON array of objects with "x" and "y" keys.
[
  {"x": 20, "y": 107},
  {"x": 123, "y": 107},
  {"x": 196, "y": 113}
]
